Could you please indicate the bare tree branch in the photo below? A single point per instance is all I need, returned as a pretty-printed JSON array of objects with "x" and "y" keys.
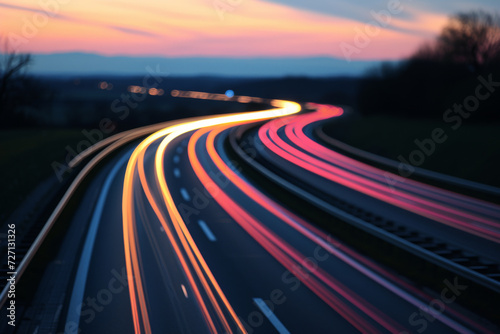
[{"x": 12, "y": 67}]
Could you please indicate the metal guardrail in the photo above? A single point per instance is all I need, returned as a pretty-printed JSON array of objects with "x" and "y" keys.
[
  {"x": 423, "y": 253},
  {"x": 452, "y": 180},
  {"x": 108, "y": 146}
]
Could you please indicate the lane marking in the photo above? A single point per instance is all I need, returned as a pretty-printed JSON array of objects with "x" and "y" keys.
[
  {"x": 185, "y": 194},
  {"x": 177, "y": 172},
  {"x": 176, "y": 159},
  {"x": 184, "y": 290},
  {"x": 207, "y": 230},
  {"x": 270, "y": 316},
  {"x": 83, "y": 266}
]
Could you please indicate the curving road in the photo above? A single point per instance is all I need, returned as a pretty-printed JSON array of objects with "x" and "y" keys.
[{"x": 181, "y": 239}]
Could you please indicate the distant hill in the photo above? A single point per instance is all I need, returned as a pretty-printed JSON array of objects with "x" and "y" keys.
[{"x": 92, "y": 64}]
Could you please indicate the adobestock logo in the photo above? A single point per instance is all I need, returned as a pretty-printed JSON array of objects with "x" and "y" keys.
[
  {"x": 454, "y": 117},
  {"x": 30, "y": 27},
  {"x": 364, "y": 36}
]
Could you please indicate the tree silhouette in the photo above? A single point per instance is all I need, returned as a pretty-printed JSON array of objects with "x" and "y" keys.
[
  {"x": 472, "y": 39},
  {"x": 13, "y": 80},
  {"x": 440, "y": 73}
]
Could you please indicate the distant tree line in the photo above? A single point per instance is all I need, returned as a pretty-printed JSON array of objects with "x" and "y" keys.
[{"x": 440, "y": 74}]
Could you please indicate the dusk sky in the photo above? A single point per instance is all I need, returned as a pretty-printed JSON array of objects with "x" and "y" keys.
[{"x": 227, "y": 28}]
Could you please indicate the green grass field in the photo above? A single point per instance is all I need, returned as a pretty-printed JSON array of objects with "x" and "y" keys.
[
  {"x": 25, "y": 161},
  {"x": 472, "y": 151}
]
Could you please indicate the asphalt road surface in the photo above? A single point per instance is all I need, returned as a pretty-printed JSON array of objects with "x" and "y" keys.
[{"x": 180, "y": 240}]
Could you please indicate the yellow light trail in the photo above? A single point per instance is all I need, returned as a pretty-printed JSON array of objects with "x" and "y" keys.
[{"x": 131, "y": 246}]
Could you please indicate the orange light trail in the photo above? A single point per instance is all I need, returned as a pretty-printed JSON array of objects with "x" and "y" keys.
[
  {"x": 354, "y": 259},
  {"x": 215, "y": 307},
  {"x": 172, "y": 240},
  {"x": 131, "y": 247},
  {"x": 283, "y": 252}
]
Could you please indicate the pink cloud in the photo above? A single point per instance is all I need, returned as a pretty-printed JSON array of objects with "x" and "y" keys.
[{"x": 197, "y": 28}]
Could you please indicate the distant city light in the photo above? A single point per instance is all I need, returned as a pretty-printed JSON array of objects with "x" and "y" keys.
[
  {"x": 144, "y": 90},
  {"x": 104, "y": 85},
  {"x": 136, "y": 89},
  {"x": 155, "y": 91},
  {"x": 218, "y": 97}
]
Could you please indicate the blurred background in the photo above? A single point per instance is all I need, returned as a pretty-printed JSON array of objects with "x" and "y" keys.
[{"x": 74, "y": 72}]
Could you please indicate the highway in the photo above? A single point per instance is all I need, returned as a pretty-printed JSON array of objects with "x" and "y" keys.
[
  {"x": 469, "y": 222},
  {"x": 176, "y": 234}
]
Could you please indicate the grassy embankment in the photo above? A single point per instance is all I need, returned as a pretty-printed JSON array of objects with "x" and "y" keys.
[
  {"x": 25, "y": 161},
  {"x": 472, "y": 151}
]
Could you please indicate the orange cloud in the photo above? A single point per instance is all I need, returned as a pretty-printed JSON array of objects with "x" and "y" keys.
[{"x": 230, "y": 28}]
